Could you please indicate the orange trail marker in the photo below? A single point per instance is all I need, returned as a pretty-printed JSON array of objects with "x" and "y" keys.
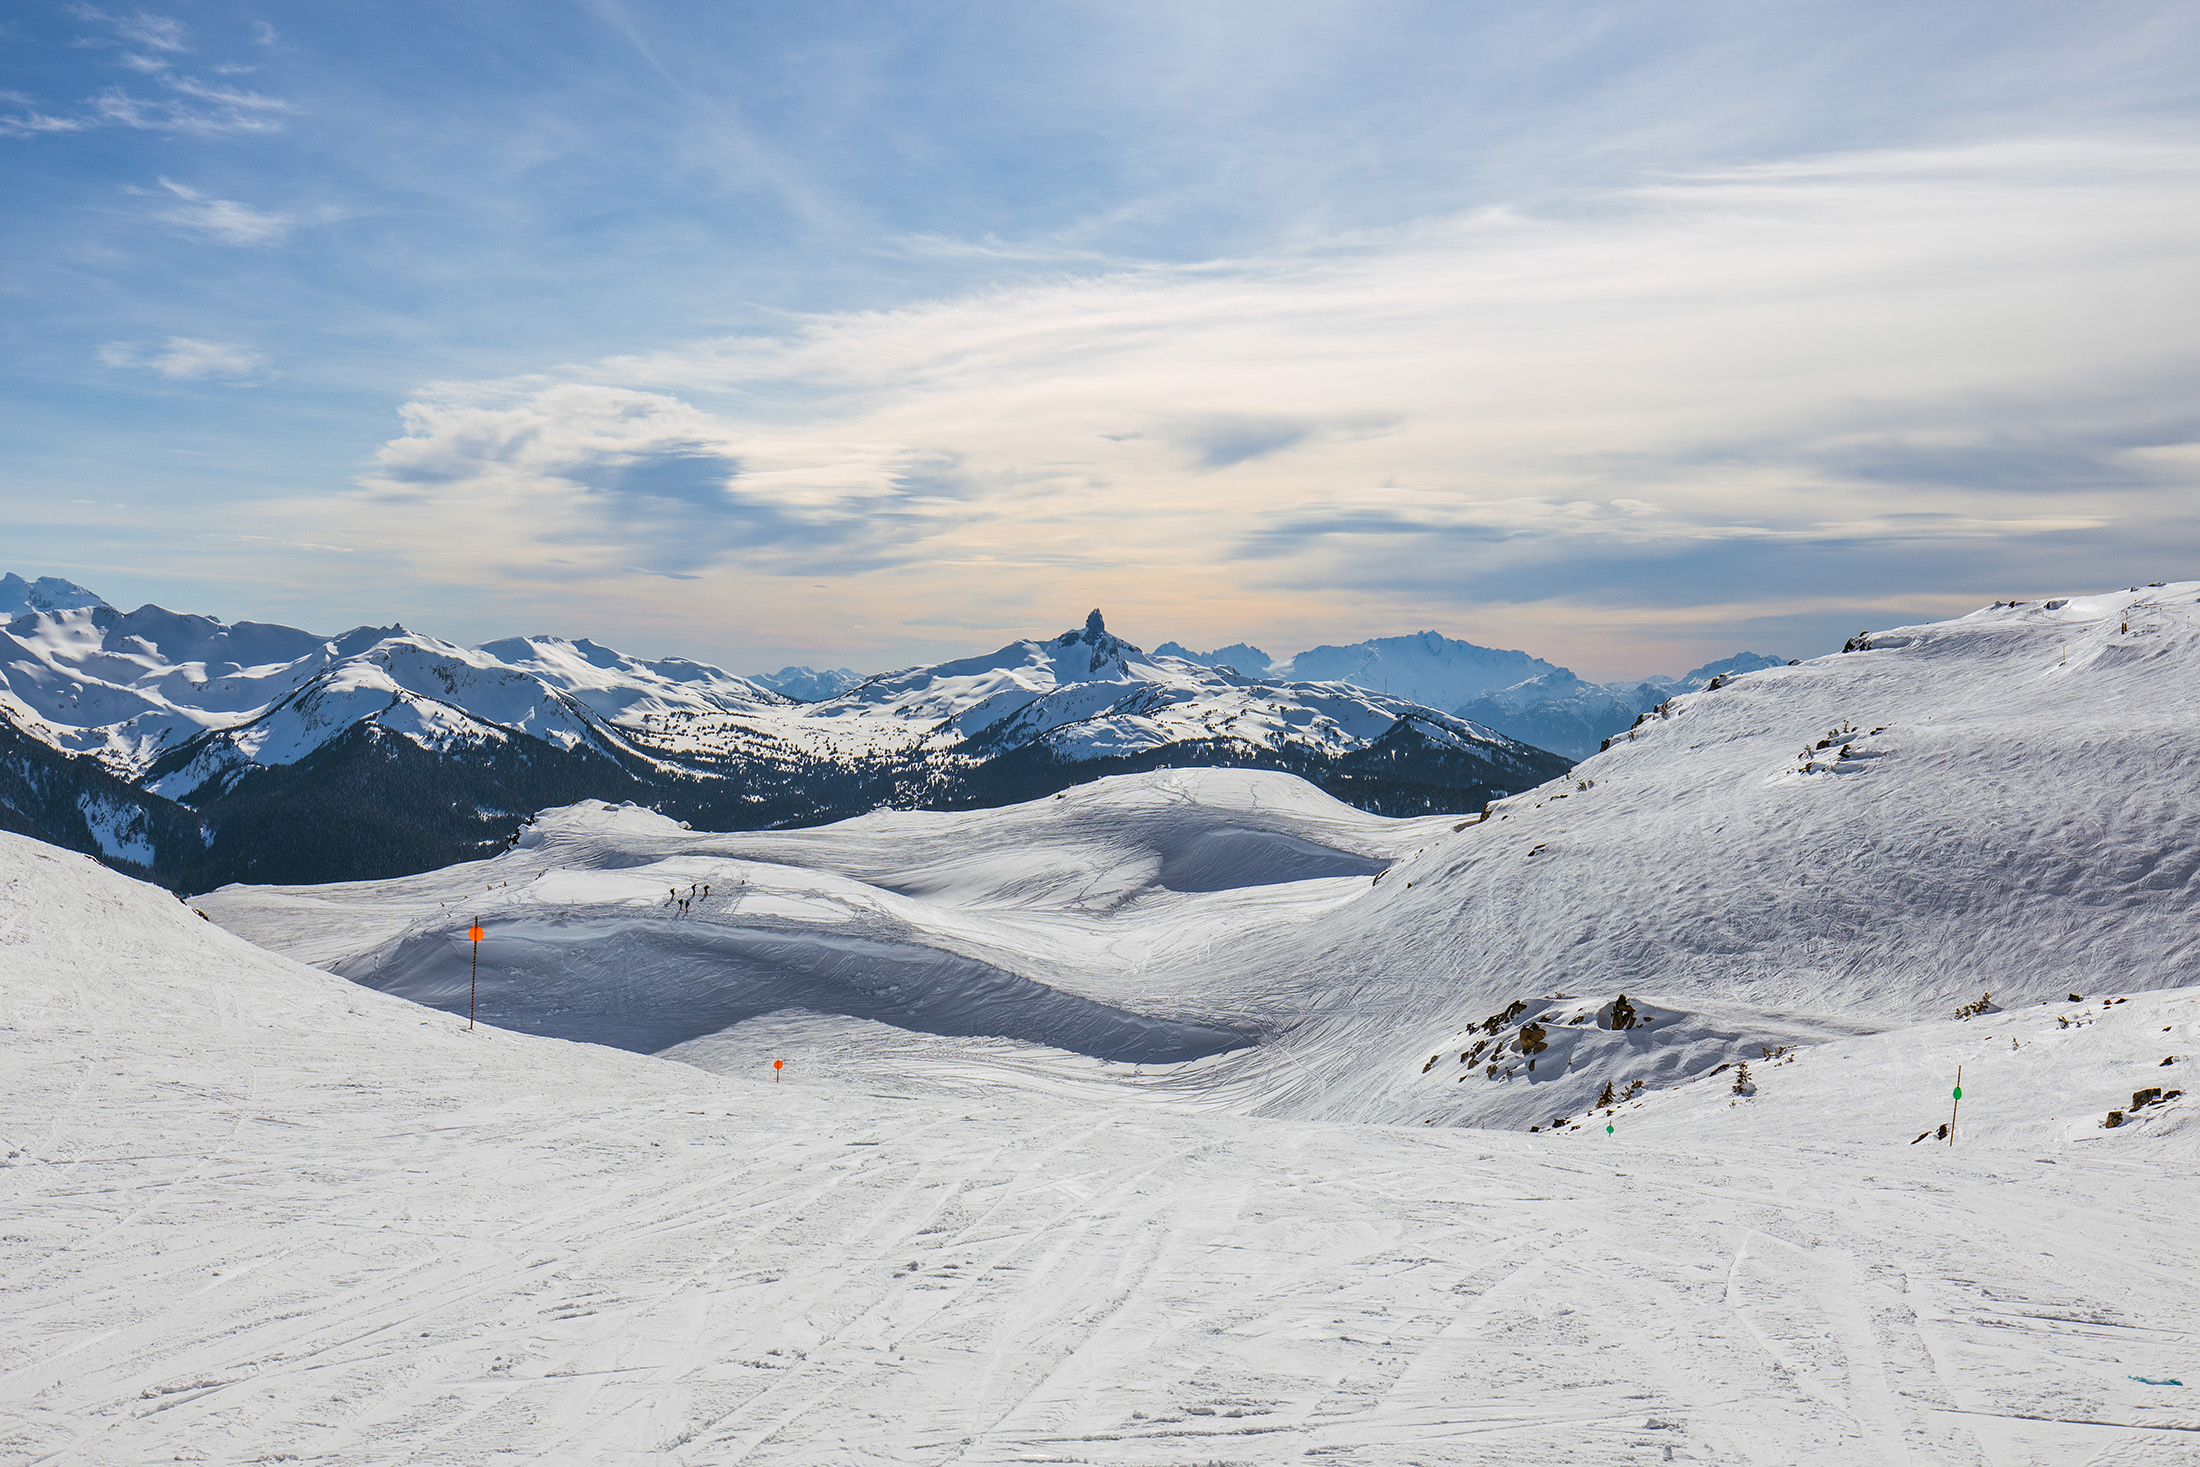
[
  {"x": 474, "y": 934},
  {"x": 777, "y": 1066}
]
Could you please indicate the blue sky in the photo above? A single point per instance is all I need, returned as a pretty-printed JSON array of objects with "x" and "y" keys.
[{"x": 866, "y": 333}]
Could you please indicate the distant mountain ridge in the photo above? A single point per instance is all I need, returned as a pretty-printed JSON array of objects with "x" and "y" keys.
[
  {"x": 808, "y": 684},
  {"x": 1247, "y": 659},
  {"x": 1525, "y": 697},
  {"x": 1426, "y": 667},
  {"x": 203, "y": 752}
]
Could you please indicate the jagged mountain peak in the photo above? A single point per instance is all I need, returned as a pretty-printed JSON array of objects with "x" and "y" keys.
[{"x": 1108, "y": 660}]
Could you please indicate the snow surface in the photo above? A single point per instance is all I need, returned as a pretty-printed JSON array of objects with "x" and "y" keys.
[{"x": 257, "y": 1212}]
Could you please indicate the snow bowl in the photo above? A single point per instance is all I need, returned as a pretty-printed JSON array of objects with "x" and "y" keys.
[
  {"x": 647, "y": 985},
  {"x": 1226, "y": 860}
]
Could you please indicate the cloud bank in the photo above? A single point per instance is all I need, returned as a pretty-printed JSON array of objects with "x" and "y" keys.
[{"x": 1729, "y": 397}]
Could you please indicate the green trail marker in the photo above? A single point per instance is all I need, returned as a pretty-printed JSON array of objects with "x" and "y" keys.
[
  {"x": 1955, "y": 1107},
  {"x": 1607, "y": 1129}
]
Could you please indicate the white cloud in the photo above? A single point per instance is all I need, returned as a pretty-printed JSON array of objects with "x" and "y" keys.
[
  {"x": 231, "y": 112},
  {"x": 226, "y": 219},
  {"x": 30, "y": 122},
  {"x": 195, "y": 108},
  {"x": 229, "y": 97},
  {"x": 1647, "y": 399},
  {"x": 160, "y": 32},
  {"x": 600, "y": 479},
  {"x": 188, "y": 359}
]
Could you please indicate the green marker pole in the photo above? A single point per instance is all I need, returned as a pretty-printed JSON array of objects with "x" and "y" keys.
[{"x": 1956, "y": 1107}]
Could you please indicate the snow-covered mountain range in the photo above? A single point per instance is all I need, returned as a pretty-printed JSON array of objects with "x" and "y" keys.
[
  {"x": 214, "y": 750},
  {"x": 1521, "y": 696},
  {"x": 1186, "y": 1115}
]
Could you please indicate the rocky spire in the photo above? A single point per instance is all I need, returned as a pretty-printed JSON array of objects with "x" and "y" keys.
[{"x": 1095, "y": 628}]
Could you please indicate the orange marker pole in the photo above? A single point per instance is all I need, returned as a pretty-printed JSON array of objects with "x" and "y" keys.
[
  {"x": 777, "y": 1066},
  {"x": 473, "y": 983}
]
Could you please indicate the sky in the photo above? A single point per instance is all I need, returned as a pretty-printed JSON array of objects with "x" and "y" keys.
[{"x": 864, "y": 334}]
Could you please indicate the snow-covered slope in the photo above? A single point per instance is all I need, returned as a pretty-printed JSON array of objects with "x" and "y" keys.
[
  {"x": 256, "y": 1213},
  {"x": 627, "y": 689},
  {"x": 1804, "y": 854}
]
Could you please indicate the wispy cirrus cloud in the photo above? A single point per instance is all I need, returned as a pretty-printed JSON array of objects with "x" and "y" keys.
[
  {"x": 139, "y": 28},
  {"x": 226, "y": 220},
  {"x": 197, "y": 110},
  {"x": 152, "y": 46},
  {"x": 189, "y": 359},
  {"x": 30, "y": 122}
]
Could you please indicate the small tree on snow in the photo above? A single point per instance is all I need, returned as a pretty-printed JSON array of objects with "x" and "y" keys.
[{"x": 1742, "y": 1085}]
